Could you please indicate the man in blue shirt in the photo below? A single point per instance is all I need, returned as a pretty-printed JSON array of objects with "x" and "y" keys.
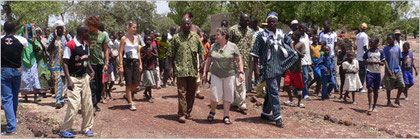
[
  {"x": 393, "y": 76},
  {"x": 271, "y": 48}
]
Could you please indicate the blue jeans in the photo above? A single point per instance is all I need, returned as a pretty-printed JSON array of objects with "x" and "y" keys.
[
  {"x": 305, "y": 75},
  {"x": 271, "y": 100},
  {"x": 362, "y": 72},
  {"x": 10, "y": 83},
  {"x": 328, "y": 84}
]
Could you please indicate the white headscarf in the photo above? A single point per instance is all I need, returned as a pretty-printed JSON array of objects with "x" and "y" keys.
[{"x": 59, "y": 23}]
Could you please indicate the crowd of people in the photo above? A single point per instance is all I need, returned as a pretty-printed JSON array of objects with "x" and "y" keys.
[{"x": 82, "y": 68}]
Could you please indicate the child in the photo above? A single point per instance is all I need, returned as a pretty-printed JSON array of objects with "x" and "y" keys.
[
  {"x": 76, "y": 64},
  {"x": 316, "y": 53},
  {"x": 293, "y": 76},
  {"x": 393, "y": 77},
  {"x": 149, "y": 56},
  {"x": 352, "y": 83},
  {"x": 163, "y": 58},
  {"x": 374, "y": 58},
  {"x": 407, "y": 65},
  {"x": 109, "y": 79},
  {"x": 327, "y": 66},
  {"x": 340, "y": 59}
]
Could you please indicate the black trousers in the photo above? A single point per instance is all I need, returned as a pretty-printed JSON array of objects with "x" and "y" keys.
[{"x": 96, "y": 85}]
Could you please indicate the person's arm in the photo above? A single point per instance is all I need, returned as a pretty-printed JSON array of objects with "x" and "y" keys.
[
  {"x": 52, "y": 41},
  {"x": 387, "y": 70},
  {"x": 106, "y": 52},
  {"x": 122, "y": 43},
  {"x": 206, "y": 68},
  {"x": 70, "y": 84},
  {"x": 238, "y": 60},
  {"x": 140, "y": 59},
  {"x": 154, "y": 51},
  {"x": 414, "y": 67},
  {"x": 92, "y": 72}
]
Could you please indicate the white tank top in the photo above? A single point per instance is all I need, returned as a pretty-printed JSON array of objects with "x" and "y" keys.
[{"x": 131, "y": 48}]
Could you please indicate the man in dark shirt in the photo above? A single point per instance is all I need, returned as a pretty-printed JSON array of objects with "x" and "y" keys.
[{"x": 11, "y": 61}]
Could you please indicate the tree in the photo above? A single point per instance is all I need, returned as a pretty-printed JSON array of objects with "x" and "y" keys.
[
  {"x": 200, "y": 9},
  {"x": 23, "y": 12},
  {"x": 163, "y": 24}
]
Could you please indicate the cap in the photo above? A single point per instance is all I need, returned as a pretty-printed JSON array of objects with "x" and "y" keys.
[
  {"x": 397, "y": 31},
  {"x": 294, "y": 22},
  {"x": 363, "y": 26}
]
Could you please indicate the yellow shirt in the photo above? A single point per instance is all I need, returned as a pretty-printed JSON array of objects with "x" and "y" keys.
[{"x": 315, "y": 51}]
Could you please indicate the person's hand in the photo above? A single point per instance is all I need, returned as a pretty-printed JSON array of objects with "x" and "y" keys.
[
  {"x": 416, "y": 73},
  {"x": 204, "y": 78},
  {"x": 241, "y": 77},
  {"x": 326, "y": 71},
  {"x": 121, "y": 70},
  {"x": 140, "y": 68},
  {"x": 55, "y": 33},
  {"x": 105, "y": 68},
  {"x": 92, "y": 76},
  {"x": 257, "y": 72},
  {"x": 70, "y": 85}
]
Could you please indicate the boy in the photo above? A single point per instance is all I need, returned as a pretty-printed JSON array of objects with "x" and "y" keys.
[
  {"x": 316, "y": 53},
  {"x": 407, "y": 65},
  {"x": 76, "y": 64},
  {"x": 393, "y": 76},
  {"x": 374, "y": 58},
  {"x": 342, "y": 56},
  {"x": 293, "y": 76},
  {"x": 327, "y": 66},
  {"x": 163, "y": 58}
]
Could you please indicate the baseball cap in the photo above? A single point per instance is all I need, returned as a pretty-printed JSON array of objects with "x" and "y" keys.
[
  {"x": 397, "y": 31},
  {"x": 294, "y": 22},
  {"x": 363, "y": 26}
]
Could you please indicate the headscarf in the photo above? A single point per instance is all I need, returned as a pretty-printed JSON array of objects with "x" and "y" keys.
[
  {"x": 28, "y": 55},
  {"x": 59, "y": 23}
]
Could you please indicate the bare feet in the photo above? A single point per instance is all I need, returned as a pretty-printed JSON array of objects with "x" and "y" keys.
[
  {"x": 398, "y": 103},
  {"x": 389, "y": 104}
]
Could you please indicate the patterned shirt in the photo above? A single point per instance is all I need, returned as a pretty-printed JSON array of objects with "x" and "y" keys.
[
  {"x": 274, "y": 53},
  {"x": 185, "y": 50},
  {"x": 243, "y": 39},
  {"x": 56, "y": 56}
]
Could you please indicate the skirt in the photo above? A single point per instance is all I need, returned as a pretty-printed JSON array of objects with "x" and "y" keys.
[
  {"x": 131, "y": 71},
  {"x": 149, "y": 78},
  {"x": 30, "y": 81}
]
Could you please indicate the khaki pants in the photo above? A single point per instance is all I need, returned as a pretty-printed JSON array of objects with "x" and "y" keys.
[
  {"x": 81, "y": 94},
  {"x": 239, "y": 94},
  {"x": 248, "y": 77},
  {"x": 186, "y": 94}
]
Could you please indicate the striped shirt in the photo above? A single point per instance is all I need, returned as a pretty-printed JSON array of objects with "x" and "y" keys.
[{"x": 274, "y": 53}]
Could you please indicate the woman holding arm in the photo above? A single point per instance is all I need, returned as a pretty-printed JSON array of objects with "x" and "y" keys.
[
  {"x": 223, "y": 57},
  {"x": 132, "y": 65}
]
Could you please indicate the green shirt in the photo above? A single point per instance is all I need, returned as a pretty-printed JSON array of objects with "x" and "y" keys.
[
  {"x": 223, "y": 64},
  {"x": 185, "y": 50},
  {"x": 96, "y": 42},
  {"x": 243, "y": 39},
  {"x": 297, "y": 67}
]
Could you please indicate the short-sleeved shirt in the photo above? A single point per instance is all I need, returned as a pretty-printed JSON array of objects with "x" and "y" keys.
[
  {"x": 297, "y": 67},
  {"x": 163, "y": 49},
  {"x": 374, "y": 56},
  {"x": 96, "y": 42},
  {"x": 223, "y": 64},
  {"x": 316, "y": 51},
  {"x": 393, "y": 56},
  {"x": 207, "y": 47},
  {"x": 330, "y": 38},
  {"x": 342, "y": 56},
  {"x": 306, "y": 60},
  {"x": 243, "y": 39},
  {"x": 361, "y": 40},
  {"x": 11, "y": 50},
  {"x": 407, "y": 61},
  {"x": 149, "y": 63},
  {"x": 185, "y": 50},
  {"x": 274, "y": 53}
]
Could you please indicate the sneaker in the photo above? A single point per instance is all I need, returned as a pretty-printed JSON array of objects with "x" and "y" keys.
[
  {"x": 5, "y": 133},
  {"x": 150, "y": 100},
  {"x": 181, "y": 119},
  {"x": 279, "y": 123},
  {"x": 97, "y": 109},
  {"x": 133, "y": 107},
  {"x": 66, "y": 134},
  {"x": 58, "y": 105},
  {"x": 301, "y": 105},
  {"x": 265, "y": 117},
  {"x": 306, "y": 97},
  {"x": 288, "y": 103},
  {"x": 363, "y": 91}
]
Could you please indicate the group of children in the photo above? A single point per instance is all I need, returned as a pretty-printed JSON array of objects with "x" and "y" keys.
[{"x": 398, "y": 70}]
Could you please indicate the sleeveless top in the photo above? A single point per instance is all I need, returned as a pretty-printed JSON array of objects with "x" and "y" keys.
[{"x": 130, "y": 50}]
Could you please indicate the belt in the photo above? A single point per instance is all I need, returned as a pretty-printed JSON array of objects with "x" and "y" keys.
[{"x": 77, "y": 75}]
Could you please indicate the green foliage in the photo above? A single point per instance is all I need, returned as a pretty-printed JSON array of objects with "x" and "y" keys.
[
  {"x": 200, "y": 9},
  {"x": 163, "y": 24}
]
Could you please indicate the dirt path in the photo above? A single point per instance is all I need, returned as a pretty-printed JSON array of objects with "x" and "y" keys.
[{"x": 159, "y": 119}]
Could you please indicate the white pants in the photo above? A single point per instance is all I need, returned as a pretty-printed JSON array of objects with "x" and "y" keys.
[{"x": 222, "y": 88}]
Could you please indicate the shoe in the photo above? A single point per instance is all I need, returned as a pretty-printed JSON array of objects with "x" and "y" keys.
[
  {"x": 363, "y": 91},
  {"x": 301, "y": 105},
  {"x": 97, "y": 109},
  {"x": 89, "y": 134},
  {"x": 279, "y": 123},
  {"x": 181, "y": 119},
  {"x": 5, "y": 133},
  {"x": 226, "y": 120},
  {"x": 58, "y": 105},
  {"x": 150, "y": 100},
  {"x": 307, "y": 97},
  {"x": 265, "y": 117},
  {"x": 133, "y": 107},
  {"x": 188, "y": 116},
  {"x": 66, "y": 134},
  {"x": 288, "y": 103},
  {"x": 199, "y": 96}
]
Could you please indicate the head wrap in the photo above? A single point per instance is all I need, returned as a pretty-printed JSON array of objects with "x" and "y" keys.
[
  {"x": 272, "y": 14},
  {"x": 59, "y": 23}
]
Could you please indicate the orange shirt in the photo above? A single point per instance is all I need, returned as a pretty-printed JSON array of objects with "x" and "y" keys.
[{"x": 207, "y": 48}]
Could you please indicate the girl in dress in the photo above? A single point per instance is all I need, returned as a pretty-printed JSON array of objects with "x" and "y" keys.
[
  {"x": 149, "y": 56},
  {"x": 352, "y": 81}
]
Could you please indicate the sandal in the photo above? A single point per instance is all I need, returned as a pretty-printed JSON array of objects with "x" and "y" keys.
[
  {"x": 288, "y": 103},
  {"x": 8, "y": 133},
  {"x": 66, "y": 134},
  {"x": 226, "y": 120},
  {"x": 211, "y": 116},
  {"x": 90, "y": 133}
]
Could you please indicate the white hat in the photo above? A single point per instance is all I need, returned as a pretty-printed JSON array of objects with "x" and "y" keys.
[
  {"x": 59, "y": 23},
  {"x": 294, "y": 22}
]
